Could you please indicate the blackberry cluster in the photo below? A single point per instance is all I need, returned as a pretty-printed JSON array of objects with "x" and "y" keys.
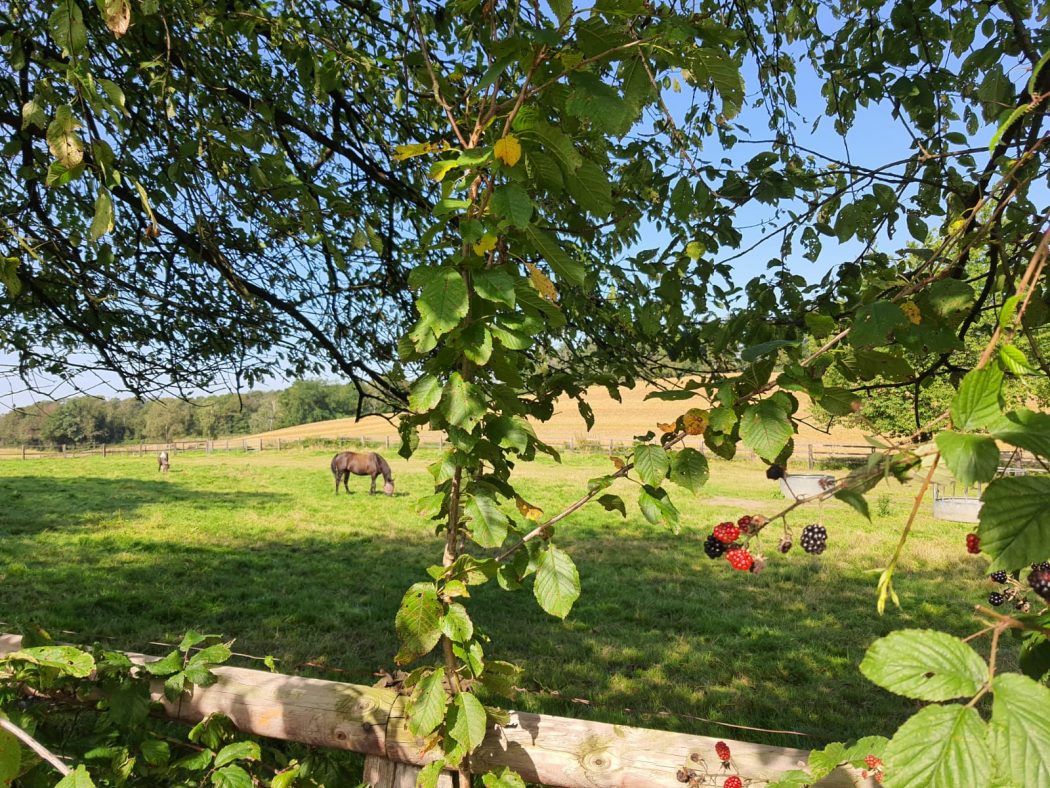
[
  {"x": 1045, "y": 565},
  {"x": 996, "y": 599},
  {"x": 1039, "y": 580},
  {"x": 714, "y": 547},
  {"x": 814, "y": 539},
  {"x": 998, "y": 577}
]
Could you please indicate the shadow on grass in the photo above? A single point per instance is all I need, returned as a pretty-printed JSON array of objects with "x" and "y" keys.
[
  {"x": 659, "y": 628},
  {"x": 35, "y": 503}
]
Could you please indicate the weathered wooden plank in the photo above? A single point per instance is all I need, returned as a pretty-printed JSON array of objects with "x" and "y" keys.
[
  {"x": 293, "y": 708},
  {"x": 555, "y": 751},
  {"x": 381, "y": 773},
  {"x": 567, "y": 753}
]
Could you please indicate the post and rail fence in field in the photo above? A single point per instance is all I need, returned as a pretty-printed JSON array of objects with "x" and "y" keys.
[{"x": 553, "y": 751}]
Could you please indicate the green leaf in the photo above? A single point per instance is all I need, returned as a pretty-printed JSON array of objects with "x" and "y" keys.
[
  {"x": 66, "y": 25},
  {"x": 501, "y": 678},
  {"x": 613, "y": 503},
  {"x": 657, "y": 508},
  {"x": 1020, "y": 729},
  {"x": 1015, "y": 521},
  {"x": 172, "y": 663},
  {"x": 689, "y": 469},
  {"x": 796, "y": 778},
  {"x": 231, "y": 777},
  {"x": 940, "y": 747},
  {"x": 504, "y": 777},
  {"x": 710, "y": 65},
  {"x": 443, "y": 301},
  {"x": 824, "y": 762},
  {"x": 652, "y": 463},
  {"x": 495, "y": 285},
  {"x": 874, "y": 322},
  {"x": 467, "y": 721},
  {"x": 67, "y": 659},
  {"x": 1035, "y": 656},
  {"x": 924, "y": 664},
  {"x": 511, "y": 202},
  {"x": 547, "y": 246},
  {"x": 1014, "y": 360},
  {"x": 766, "y": 429},
  {"x": 456, "y": 624},
  {"x": 10, "y": 757},
  {"x": 591, "y": 190},
  {"x": 557, "y": 584},
  {"x": 286, "y": 778},
  {"x": 978, "y": 403},
  {"x": 1025, "y": 429},
  {"x": 155, "y": 752},
  {"x": 33, "y": 115},
  {"x": 971, "y": 458},
  {"x": 488, "y": 523},
  {"x": 766, "y": 348},
  {"x": 427, "y": 710},
  {"x": 78, "y": 778},
  {"x": 430, "y": 774},
  {"x": 462, "y": 403},
  {"x": 917, "y": 227},
  {"x": 477, "y": 344},
  {"x": 855, "y": 500},
  {"x": 418, "y": 622},
  {"x": 238, "y": 751},
  {"x": 425, "y": 394}
]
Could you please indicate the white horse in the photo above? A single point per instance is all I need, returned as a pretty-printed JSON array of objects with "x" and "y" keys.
[{"x": 162, "y": 462}]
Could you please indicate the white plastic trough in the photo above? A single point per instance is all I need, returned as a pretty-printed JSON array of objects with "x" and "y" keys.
[{"x": 805, "y": 485}]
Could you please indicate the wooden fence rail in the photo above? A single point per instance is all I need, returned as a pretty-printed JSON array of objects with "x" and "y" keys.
[{"x": 554, "y": 751}]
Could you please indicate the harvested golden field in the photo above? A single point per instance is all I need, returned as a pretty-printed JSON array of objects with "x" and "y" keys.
[{"x": 616, "y": 421}]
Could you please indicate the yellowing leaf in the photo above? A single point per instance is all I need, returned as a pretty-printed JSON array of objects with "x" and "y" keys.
[
  {"x": 695, "y": 250},
  {"x": 117, "y": 14},
  {"x": 618, "y": 462},
  {"x": 507, "y": 150},
  {"x": 485, "y": 244},
  {"x": 527, "y": 509},
  {"x": 402, "y": 152},
  {"x": 665, "y": 427},
  {"x": 544, "y": 286},
  {"x": 911, "y": 311},
  {"x": 695, "y": 421}
]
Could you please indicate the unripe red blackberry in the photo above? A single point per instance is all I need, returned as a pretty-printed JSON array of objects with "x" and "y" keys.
[
  {"x": 814, "y": 539},
  {"x": 722, "y": 751},
  {"x": 973, "y": 544},
  {"x": 740, "y": 559},
  {"x": 732, "y": 782},
  {"x": 727, "y": 532}
]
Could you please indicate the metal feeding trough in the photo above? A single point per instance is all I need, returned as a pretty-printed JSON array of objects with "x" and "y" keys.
[
  {"x": 805, "y": 485},
  {"x": 965, "y": 508}
]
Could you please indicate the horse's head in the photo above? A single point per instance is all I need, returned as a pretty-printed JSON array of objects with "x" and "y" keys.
[{"x": 388, "y": 488}]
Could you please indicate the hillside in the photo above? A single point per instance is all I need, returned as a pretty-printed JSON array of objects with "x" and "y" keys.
[{"x": 612, "y": 420}]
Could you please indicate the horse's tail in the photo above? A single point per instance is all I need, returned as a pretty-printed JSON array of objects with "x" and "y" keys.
[
  {"x": 335, "y": 468},
  {"x": 384, "y": 468}
]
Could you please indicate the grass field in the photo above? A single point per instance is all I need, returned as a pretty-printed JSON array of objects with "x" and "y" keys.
[{"x": 258, "y": 548}]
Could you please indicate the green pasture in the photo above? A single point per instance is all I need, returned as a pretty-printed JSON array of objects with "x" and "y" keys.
[{"x": 257, "y": 547}]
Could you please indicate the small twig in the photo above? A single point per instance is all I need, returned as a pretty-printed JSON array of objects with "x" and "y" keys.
[{"x": 35, "y": 746}]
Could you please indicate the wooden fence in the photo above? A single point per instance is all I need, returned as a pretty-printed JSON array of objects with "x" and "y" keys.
[{"x": 554, "y": 751}]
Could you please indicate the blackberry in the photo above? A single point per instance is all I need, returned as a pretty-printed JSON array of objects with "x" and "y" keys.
[
  {"x": 1039, "y": 580},
  {"x": 726, "y": 532},
  {"x": 774, "y": 472},
  {"x": 1041, "y": 565},
  {"x": 814, "y": 539},
  {"x": 722, "y": 751},
  {"x": 973, "y": 544},
  {"x": 714, "y": 547},
  {"x": 996, "y": 599},
  {"x": 998, "y": 577},
  {"x": 785, "y": 545}
]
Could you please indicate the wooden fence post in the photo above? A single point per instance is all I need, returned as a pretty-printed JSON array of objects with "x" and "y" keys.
[
  {"x": 278, "y": 444},
  {"x": 23, "y": 451},
  {"x": 388, "y": 441},
  {"x": 810, "y": 447},
  {"x": 103, "y": 450},
  {"x": 381, "y": 773},
  {"x": 260, "y": 444}
]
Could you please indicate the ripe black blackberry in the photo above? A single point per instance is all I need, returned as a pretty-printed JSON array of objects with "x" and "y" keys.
[
  {"x": 1042, "y": 565},
  {"x": 714, "y": 547},
  {"x": 996, "y": 598},
  {"x": 1039, "y": 580},
  {"x": 774, "y": 472},
  {"x": 998, "y": 577},
  {"x": 814, "y": 539}
]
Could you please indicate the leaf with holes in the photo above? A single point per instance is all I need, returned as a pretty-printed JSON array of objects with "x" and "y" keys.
[
  {"x": 925, "y": 665},
  {"x": 418, "y": 622}
]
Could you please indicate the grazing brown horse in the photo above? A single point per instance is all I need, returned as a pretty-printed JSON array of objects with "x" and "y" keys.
[{"x": 361, "y": 464}]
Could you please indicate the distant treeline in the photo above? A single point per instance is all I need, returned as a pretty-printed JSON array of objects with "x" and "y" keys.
[{"x": 94, "y": 420}]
